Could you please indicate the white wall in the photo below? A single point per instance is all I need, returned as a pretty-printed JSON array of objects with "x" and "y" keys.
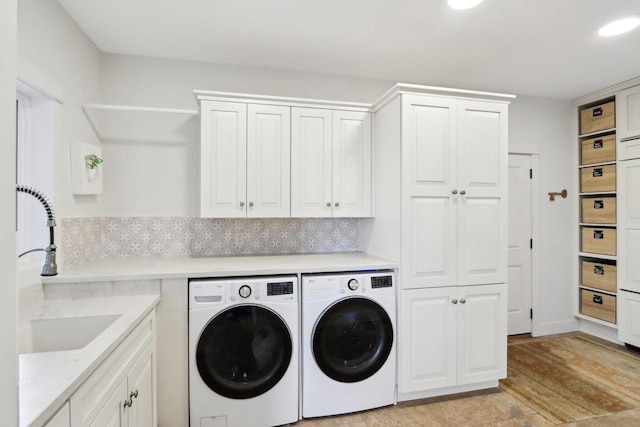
[
  {"x": 8, "y": 290},
  {"x": 546, "y": 125},
  {"x": 56, "y": 56}
]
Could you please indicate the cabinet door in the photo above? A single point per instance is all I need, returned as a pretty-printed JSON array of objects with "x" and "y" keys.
[
  {"x": 482, "y": 182},
  {"x": 482, "y": 333},
  {"x": 223, "y": 145},
  {"x": 61, "y": 418},
  {"x": 629, "y": 318},
  {"x": 628, "y": 175},
  {"x": 351, "y": 149},
  {"x": 311, "y": 162},
  {"x": 141, "y": 390},
  {"x": 427, "y": 339},
  {"x": 429, "y": 200},
  {"x": 268, "y": 161},
  {"x": 628, "y": 123},
  {"x": 112, "y": 414}
]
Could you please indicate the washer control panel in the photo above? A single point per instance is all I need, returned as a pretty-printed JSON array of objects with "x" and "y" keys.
[{"x": 209, "y": 292}]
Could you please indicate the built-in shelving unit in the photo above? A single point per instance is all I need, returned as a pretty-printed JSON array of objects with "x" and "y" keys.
[
  {"x": 597, "y": 289},
  {"x": 130, "y": 123}
]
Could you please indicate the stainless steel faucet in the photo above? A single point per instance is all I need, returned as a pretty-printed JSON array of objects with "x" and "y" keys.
[{"x": 50, "y": 268}]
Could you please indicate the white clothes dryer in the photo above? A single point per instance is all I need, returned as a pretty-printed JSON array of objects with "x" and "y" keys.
[
  {"x": 348, "y": 342},
  {"x": 243, "y": 352}
]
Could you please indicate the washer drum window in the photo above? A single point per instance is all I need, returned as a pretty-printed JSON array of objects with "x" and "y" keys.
[
  {"x": 352, "y": 339},
  {"x": 244, "y": 351}
]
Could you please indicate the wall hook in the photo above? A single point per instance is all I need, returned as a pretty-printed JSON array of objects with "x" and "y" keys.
[{"x": 553, "y": 194}]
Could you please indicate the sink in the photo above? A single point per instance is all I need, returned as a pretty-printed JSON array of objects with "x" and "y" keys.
[{"x": 63, "y": 333}]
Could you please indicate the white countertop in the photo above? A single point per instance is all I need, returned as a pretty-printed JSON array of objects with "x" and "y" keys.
[
  {"x": 47, "y": 380},
  {"x": 194, "y": 267}
]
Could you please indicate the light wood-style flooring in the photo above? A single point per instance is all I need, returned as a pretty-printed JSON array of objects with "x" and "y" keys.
[{"x": 493, "y": 407}]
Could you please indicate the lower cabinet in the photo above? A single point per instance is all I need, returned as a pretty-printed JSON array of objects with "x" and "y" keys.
[
  {"x": 629, "y": 317},
  {"x": 61, "y": 418},
  {"x": 452, "y": 336},
  {"x": 132, "y": 402},
  {"x": 121, "y": 392}
]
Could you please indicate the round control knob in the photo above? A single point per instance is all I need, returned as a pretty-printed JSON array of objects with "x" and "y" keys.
[
  {"x": 245, "y": 291},
  {"x": 353, "y": 284}
]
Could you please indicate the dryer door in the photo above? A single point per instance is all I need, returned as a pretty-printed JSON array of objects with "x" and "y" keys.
[
  {"x": 244, "y": 351},
  {"x": 352, "y": 339}
]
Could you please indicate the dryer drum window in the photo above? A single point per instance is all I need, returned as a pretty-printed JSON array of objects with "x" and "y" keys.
[
  {"x": 244, "y": 351},
  {"x": 352, "y": 339}
]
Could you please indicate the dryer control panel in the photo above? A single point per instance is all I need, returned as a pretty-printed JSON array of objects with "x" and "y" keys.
[{"x": 320, "y": 286}]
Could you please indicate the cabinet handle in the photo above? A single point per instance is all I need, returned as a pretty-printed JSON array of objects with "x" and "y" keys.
[
  {"x": 328, "y": 204},
  {"x": 250, "y": 204},
  {"x": 133, "y": 394},
  {"x": 454, "y": 301},
  {"x": 128, "y": 403},
  {"x": 462, "y": 300},
  {"x": 337, "y": 204},
  {"x": 241, "y": 204},
  {"x": 454, "y": 191},
  {"x": 463, "y": 192}
]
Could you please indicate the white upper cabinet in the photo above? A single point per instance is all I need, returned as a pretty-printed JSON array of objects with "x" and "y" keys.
[
  {"x": 223, "y": 156},
  {"x": 330, "y": 163},
  {"x": 268, "y": 160},
  {"x": 628, "y": 123},
  {"x": 245, "y": 161},
  {"x": 628, "y": 176},
  {"x": 454, "y": 182}
]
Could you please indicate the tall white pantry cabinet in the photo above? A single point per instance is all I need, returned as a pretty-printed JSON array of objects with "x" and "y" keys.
[{"x": 440, "y": 174}]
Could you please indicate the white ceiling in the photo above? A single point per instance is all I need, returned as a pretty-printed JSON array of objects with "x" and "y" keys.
[{"x": 530, "y": 47}]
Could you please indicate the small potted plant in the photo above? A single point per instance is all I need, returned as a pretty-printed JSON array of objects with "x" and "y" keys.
[{"x": 92, "y": 163}]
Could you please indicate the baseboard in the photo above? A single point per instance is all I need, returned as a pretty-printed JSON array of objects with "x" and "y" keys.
[
  {"x": 402, "y": 397},
  {"x": 600, "y": 331},
  {"x": 550, "y": 328}
]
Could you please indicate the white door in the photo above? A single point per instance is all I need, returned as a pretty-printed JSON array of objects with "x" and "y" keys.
[
  {"x": 112, "y": 414},
  {"x": 223, "y": 149},
  {"x": 430, "y": 196},
  {"x": 520, "y": 279},
  {"x": 628, "y": 174},
  {"x": 427, "y": 339},
  {"x": 482, "y": 333},
  {"x": 628, "y": 118},
  {"x": 142, "y": 412},
  {"x": 268, "y": 161},
  {"x": 311, "y": 162},
  {"x": 351, "y": 195},
  {"x": 482, "y": 192}
]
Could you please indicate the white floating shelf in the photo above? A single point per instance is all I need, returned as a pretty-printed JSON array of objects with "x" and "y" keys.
[{"x": 129, "y": 123}]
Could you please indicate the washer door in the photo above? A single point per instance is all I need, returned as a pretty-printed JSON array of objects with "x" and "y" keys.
[
  {"x": 352, "y": 339},
  {"x": 244, "y": 351}
]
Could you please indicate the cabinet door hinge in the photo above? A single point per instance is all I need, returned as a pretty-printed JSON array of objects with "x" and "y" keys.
[
  {"x": 531, "y": 314},
  {"x": 530, "y": 173}
]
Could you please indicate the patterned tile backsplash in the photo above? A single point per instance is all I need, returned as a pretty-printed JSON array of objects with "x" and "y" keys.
[{"x": 90, "y": 239}]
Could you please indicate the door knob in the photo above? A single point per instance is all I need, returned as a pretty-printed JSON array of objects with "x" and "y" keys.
[
  {"x": 463, "y": 192},
  {"x": 454, "y": 301},
  {"x": 241, "y": 204},
  {"x": 462, "y": 300},
  {"x": 328, "y": 204},
  {"x": 250, "y": 204},
  {"x": 454, "y": 191},
  {"x": 337, "y": 204}
]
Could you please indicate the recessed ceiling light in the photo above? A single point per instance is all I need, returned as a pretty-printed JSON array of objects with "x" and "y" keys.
[
  {"x": 463, "y": 4},
  {"x": 620, "y": 26}
]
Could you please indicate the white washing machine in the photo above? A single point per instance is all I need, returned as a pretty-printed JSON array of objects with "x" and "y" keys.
[
  {"x": 243, "y": 352},
  {"x": 348, "y": 342}
]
